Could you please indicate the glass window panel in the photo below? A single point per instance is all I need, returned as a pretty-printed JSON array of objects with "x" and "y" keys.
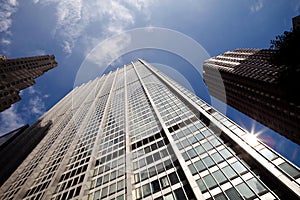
[
  {"x": 239, "y": 167},
  {"x": 146, "y": 190},
  {"x": 245, "y": 190},
  {"x": 193, "y": 169},
  {"x": 219, "y": 176},
  {"x": 209, "y": 180},
  {"x": 105, "y": 178},
  {"x": 207, "y": 146},
  {"x": 185, "y": 143},
  {"x": 156, "y": 156},
  {"x": 164, "y": 153},
  {"x": 97, "y": 194},
  {"x": 201, "y": 185},
  {"x": 142, "y": 162},
  {"x": 144, "y": 175},
  {"x": 256, "y": 185},
  {"x": 225, "y": 153},
  {"x": 233, "y": 194},
  {"x": 99, "y": 181},
  {"x": 200, "y": 149},
  {"x": 104, "y": 192},
  {"x": 136, "y": 178},
  {"x": 208, "y": 161},
  {"x": 220, "y": 196},
  {"x": 192, "y": 153},
  {"x": 217, "y": 157},
  {"x": 164, "y": 182},
  {"x": 206, "y": 133},
  {"x": 185, "y": 156},
  {"x": 160, "y": 168},
  {"x": 179, "y": 194},
  {"x": 113, "y": 175},
  {"x": 152, "y": 171},
  {"x": 229, "y": 172},
  {"x": 173, "y": 178},
  {"x": 155, "y": 186},
  {"x": 149, "y": 159},
  {"x": 199, "y": 165},
  {"x": 289, "y": 169},
  {"x": 138, "y": 193},
  {"x": 120, "y": 185},
  {"x": 268, "y": 154},
  {"x": 199, "y": 136},
  {"x": 192, "y": 139},
  {"x": 169, "y": 197},
  {"x": 112, "y": 188}
]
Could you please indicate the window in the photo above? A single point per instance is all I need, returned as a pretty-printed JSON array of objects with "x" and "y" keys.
[
  {"x": 199, "y": 165},
  {"x": 201, "y": 185},
  {"x": 138, "y": 193},
  {"x": 268, "y": 154},
  {"x": 233, "y": 194},
  {"x": 256, "y": 185},
  {"x": 155, "y": 186},
  {"x": 146, "y": 190},
  {"x": 217, "y": 157},
  {"x": 179, "y": 194},
  {"x": 209, "y": 180},
  {"x": 200, "y": 149},
  {"x": 245, "y": 190},
  {"x": 192, "y": 169},
  {"x": 219, "y": 176},
  {"x": 229, "y": 172},
  {"x": 173, "y": 178},
  {"x": 225, "y": 153},
  {"x": 290, "y": 169},
  {"x": 239, "y": 167},
  {"x": 208, "y": 161},
  {"x": 164, "y": 182},
  {"x": 192, "y": 153}
]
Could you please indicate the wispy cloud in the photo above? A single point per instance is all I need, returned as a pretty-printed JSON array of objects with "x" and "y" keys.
[
  {"x": 7, "y": 9},
  {"x": 10, "y": 120},
  {"x": 5, "y": 41},
  {"x": 257, "y": 6},
  {"x": 36, "y": 105},
  {"x": 73, "y": 18}
]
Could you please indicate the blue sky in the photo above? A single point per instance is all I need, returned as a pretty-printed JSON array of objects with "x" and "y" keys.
[{"x": 71, "y": 29}]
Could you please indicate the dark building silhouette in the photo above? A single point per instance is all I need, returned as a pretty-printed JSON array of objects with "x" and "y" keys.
[
  {"x": 15, "y": 147},
  {"x": 252, "y": 86},
  {"x": 136, "y": 134},
  {"x": 296, "y": 23},
  {"x": 19, "y": 73}
]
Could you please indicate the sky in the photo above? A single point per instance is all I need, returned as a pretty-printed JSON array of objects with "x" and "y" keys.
[{"x": 89, "y": 38}]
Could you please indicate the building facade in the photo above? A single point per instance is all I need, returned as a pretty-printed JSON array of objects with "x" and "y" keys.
[
  {"x": 136, "y": 134},
  {"x": 252, "y": 86},
  {"x": 296, "y": 23},
  {"x": 18, "y": 74}
]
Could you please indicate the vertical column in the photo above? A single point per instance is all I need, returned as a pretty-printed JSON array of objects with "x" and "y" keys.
[
  {"x": 187, "y": 172},
  {"x": 128, "y": 165}
]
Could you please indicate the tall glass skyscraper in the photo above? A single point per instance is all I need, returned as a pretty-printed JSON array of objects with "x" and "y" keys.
[{"x": 136, "y": 134}]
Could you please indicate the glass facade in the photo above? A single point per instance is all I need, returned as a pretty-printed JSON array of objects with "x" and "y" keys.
[{"x": 136, "y": 134}]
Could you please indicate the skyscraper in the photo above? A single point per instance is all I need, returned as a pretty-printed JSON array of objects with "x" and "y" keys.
[
  {"x": 136, "y": 134},
  {"x": 252, "y": 86},
  {"x": 18, "y": 74}
]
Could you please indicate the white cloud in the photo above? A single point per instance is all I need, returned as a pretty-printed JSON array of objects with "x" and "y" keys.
[
  {"x": 73, "y": 18},
  {"x": 7, "y": 9},
  {"x": 10, "y": 120},
  {"x": 5, "y": 41},
  {"x": 37, "y": 105},
  {"x": 258, "y": 5}
]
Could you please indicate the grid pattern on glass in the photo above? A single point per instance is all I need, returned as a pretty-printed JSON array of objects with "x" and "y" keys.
[
  {"x": 109, "y": 170},
  {"x": 61, "y": 124},
  {"x": 156, "y": 168},
  {"x": 200, "y": 147}
]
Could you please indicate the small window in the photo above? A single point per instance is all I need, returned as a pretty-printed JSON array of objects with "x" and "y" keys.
[
  {"x": 217, "y": 157},
  {"x": 239, "y": 167},
  {"x": 164, "y": 182},
  {"x": 233, "y": 194},
  {"x": 219, "y": 176},
  {"x": 229, "y": 172},
  {"x": 192, "y": 153},
  {"x": 209, "y": 180},
  {"x": 199, "y": 165},
  {"x": 138, "y": 193},
  {"x": 290, "y": 169},
  {"x": 146, "y": 190},
  {"x": 256, "y": 185},
  {"x": 245, "y": 190},
  {"x": 155, "y": 186},
  {"x": 201, "y": 185},
  {"x": 208, "y": 161},
  {"x": 173, "y": 178}
]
